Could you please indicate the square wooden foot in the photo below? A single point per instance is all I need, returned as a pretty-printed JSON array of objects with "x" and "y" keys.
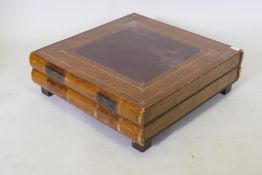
[
  {"x": 46, "y": 92},
  {"x": 226, "y": 90},
  {"x": 142, "y": 148}
]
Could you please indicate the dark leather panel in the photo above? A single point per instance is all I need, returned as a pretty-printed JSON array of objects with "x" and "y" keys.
[{"x": 137, "y": 53}]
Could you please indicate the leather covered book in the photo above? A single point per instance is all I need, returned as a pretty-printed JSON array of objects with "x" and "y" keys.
[
  {"x": 145, "y": 72},
  {"x": 109, "y": 118}
]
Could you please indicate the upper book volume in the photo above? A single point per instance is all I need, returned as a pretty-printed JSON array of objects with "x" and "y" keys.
[{"x": 137, "y": 58}]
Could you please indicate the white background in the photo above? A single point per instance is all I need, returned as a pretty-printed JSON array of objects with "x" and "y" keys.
[{"x": 47, "y": 136}]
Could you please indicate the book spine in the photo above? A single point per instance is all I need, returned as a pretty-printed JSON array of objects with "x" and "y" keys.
[
  {"x": 102, "y": 114},
  {"x": 87, "y": 89}
]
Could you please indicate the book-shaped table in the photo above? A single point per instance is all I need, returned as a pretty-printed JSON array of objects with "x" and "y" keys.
[{"x": 136, "y": 74}]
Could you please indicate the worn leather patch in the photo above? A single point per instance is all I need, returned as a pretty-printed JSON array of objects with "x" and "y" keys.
[
  {"x": 106, "y": 102},
  {"x": 54, "y": 72}
]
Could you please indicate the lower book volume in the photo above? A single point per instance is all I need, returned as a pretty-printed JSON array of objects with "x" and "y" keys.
[{"x": 140, "y": 136}]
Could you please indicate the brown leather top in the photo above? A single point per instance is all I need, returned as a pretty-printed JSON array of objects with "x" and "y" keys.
[
  {"x": 137, "y": 58},
  {"x": 137, "y": 53}
]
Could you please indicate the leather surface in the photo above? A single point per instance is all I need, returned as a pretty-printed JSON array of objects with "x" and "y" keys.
[
  {"x": 137, "y": 58},
  {"x": 137, "y": 53}
]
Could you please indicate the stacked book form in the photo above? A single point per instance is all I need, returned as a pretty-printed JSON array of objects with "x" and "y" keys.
[{"x": 136, "y": 75}]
